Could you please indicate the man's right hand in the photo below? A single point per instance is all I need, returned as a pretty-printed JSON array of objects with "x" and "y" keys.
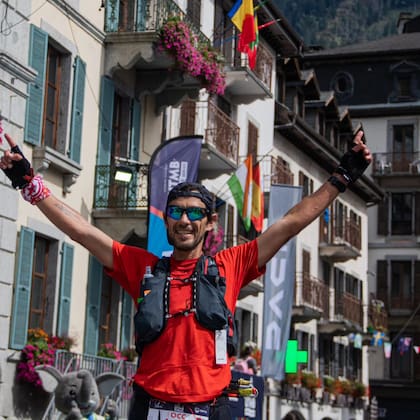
[{"x": 16, "y": 167}]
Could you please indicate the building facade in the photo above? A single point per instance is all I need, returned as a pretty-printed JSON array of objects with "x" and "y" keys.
[
  {"x": 378, "y": 82},
  {"x": 97, "y": 94}
]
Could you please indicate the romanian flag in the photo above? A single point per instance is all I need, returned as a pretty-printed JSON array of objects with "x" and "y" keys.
[
  {"x": 257, "y": 213},
  {"x": 242, "y": 15},
  {"x": 240, "y": 184}
]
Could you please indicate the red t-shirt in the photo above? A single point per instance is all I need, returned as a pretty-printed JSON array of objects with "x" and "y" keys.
[{"x": 179, "y": 366}]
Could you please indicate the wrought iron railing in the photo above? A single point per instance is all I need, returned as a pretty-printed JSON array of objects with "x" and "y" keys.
[
  {"x": 220, "y": 131},
  {"x": 68, "y": 362},
  {"x": 114, "y": 194},
  {"x": 349, "y": 307},
  {"x": 337, "y": 230},
  {"x": 263, "y": 67},
  {"x": 396, "y": 163},
  {"x": 145, "y": 16},
  {"x": 312, "y": 292}
]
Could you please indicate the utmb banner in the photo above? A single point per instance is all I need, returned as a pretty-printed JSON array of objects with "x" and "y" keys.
[{"x": 279, "y": 286}]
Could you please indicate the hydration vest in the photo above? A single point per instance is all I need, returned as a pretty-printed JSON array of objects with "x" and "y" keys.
[{"x": 208, "y": 303}]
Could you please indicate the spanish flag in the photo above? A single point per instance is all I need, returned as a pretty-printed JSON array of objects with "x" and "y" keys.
[
  {"x": 257, "y": 212},
  {"x": 242, "y": 15}
]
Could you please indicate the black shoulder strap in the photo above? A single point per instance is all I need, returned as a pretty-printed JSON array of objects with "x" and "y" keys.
[
  {"x": 212, "y": 268},
  {"x": 162, "y": 265}
]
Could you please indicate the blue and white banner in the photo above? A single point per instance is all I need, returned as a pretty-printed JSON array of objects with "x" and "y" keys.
[
  {"x": 174, "y": 161},
  {"x": 279, "y": 286}
]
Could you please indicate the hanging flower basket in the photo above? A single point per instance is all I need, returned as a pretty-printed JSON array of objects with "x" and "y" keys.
[{"x": 197, "y": 59}]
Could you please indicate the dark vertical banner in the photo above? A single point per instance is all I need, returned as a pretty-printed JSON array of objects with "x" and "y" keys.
[
  {"x": 174, "y": 161},
  {"x": 279, "y": 286}
]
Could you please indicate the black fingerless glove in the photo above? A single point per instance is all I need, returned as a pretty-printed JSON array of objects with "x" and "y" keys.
[
  {"x": 352, "y": 165},
  {"x": 21, "y": 173}
]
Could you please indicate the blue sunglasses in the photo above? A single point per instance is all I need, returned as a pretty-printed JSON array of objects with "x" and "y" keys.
[{"x": 193, "y": 213}]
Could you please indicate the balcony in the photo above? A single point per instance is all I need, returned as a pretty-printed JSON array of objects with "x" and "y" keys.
[
  {"x": 391, "y": 168},
  {"x": 340, "y": 240},
  {"x": 221, "y": 136},
  {"x": 244, "y": 85},
  {"x": 311, "y": 299},
  {"x": 121, "y": 207},
  {"x": 347, "y": 318},
  {"x": 132, "y": 29}
]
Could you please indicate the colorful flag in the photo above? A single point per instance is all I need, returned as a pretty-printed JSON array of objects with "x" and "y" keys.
[
  {"x": 174, "y": 161},
  {"x": 377, "y": 338},
  {"x": 242, "y": 15},
  {"x": 240, "y": 183},
  {"x": 252, "y": 47},
  {"x": 257, "y": 213},
  {"x": 404, "y": 345},
  {"x": 387, "y": 350}
]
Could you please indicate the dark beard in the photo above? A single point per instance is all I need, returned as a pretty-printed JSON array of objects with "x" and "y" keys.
[{"x": 186, "y": 247}]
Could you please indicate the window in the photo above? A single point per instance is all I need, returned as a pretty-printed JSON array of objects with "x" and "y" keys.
[
  {"x": 38, "y": 302},
  {"x": 306, "y": 183},
  {"x": 402, "y": 147},
  {"x": 53, "y": 85},
  {"x": 247, "y": 326},
  {"x": 35, "y": 303},
  {"x": 53, "y": 116},
  {"x": 398, "y": 283},
  {"x": 401, "y": 280},
  {"x": 399, "y": 214},
  {"x": 402, "y": 211},
  {"x": 405, "y": 77},
  {"x": 342, "y": 84}
]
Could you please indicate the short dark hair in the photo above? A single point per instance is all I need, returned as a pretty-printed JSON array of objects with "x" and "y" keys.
[{"x": 192, "y": 189}]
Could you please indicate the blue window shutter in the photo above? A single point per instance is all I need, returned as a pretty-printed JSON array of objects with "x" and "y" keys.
[
  {"x": 134, "y": 152},
  {"x": 93, "y": 306},
  {"x": 105, "y": 121},
  {"x": 66, "y": 277},
  {"x": 77, "y": 109},
  {"x": 22, "y": 294},
  {"x": 112, "y": 16},
  {"x": 141, "y": 15},
  {"x": 126, "y": 320},
  {"x": 135, "y": 131},
  {"x": 38, "y": 47}
]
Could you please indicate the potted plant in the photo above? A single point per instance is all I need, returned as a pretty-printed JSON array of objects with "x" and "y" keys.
[
  {"x": 198, "y": 59},
  {"x": 40, "y": 349}
]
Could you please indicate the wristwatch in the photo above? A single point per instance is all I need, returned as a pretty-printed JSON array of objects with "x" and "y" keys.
[{"x": 333, "y": 180}]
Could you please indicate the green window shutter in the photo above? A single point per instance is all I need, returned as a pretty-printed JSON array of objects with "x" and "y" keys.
[
  {"x": 77, "y": 109},
  {"x": 105, "y": 121},
  {"x": 112, "y": 16},
  {"x": 38, "y": 47},
  {"x": 66, "y": 278},
  {"x": 135, "y": 131},
  {"x": 22, "y": 294},
  {"x": 134, "y": 152},
  {"x": 93, "y": 306},
  {"x": 126, "y": 320},
  {"x": 141, "y": 15}
]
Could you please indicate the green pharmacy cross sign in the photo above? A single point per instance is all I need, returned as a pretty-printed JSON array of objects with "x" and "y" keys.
[{"x": 294, "y": 356}]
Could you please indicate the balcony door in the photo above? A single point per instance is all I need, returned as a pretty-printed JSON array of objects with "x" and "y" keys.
[{"x": 402, "y": 147}]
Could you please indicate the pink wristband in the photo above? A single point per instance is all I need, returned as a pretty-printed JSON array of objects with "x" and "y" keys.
[{"x": 35, "y": 191}]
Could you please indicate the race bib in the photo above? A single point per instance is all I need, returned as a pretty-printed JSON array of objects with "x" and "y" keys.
[{"x": 161, "y": 410}]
